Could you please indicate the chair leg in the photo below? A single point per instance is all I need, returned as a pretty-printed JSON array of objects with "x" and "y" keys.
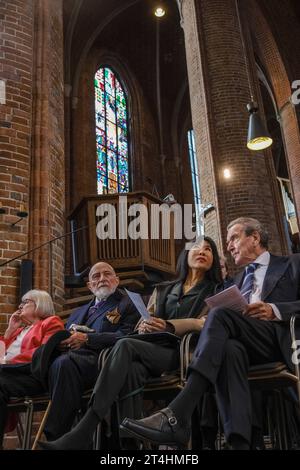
[
  {"x": 283, "y": 421},
  {"x": 280, "y": 420},
  {"x": 20, "y": 430},
  {"x": 97, "y": 437},
  {"x": 28, "y": 424},
  {"x": 219, "y": 435},
  {"x": 270, "y": 425},
  {"x": 42, "y": 425}
]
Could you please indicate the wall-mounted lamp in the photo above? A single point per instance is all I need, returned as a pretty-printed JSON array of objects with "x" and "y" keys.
[
  {"x": 207, "y": 209},
  {"x": 258, "y": 136},
  {"x": 22, "y": 214},
  {"x": 170, "y": 199},
  {"x": 227, "y": 173}
]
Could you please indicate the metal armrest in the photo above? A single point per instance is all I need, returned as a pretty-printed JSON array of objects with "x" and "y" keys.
[{"x": 187, "y": 346}]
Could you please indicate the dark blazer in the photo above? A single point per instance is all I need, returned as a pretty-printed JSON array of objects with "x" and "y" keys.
[
  {"x": 116, "y": 318},
  {"x": 282, "y": 288},
  {"x": 173, "y": 291}
]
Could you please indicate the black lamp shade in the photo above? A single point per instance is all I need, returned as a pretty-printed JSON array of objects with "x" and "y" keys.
[{"x": 258, "y": 136}]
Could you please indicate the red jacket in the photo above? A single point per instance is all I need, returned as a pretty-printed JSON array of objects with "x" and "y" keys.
[{"x": 36, "y": 336}]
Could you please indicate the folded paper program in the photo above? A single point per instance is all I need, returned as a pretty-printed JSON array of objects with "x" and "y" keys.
[
  {"x": 139, "y": 304},
  {"x": 230, "y": 298}
]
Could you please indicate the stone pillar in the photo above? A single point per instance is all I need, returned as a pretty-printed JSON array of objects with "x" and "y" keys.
[
  {"x": 16, "y": 59},
  {"x": 47, "y": 214},
  {"x": 219, "y": 91}
]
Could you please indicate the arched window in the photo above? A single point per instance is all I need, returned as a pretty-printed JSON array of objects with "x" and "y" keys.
[{"x": 111, "y": 133}]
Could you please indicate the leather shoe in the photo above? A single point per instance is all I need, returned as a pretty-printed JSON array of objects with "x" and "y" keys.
[{"x": 162, "y": 428}]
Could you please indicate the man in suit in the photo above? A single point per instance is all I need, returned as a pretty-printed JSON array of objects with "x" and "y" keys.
[
  {"x": 110, "y": 316},
  {"x": 231, "y": 341}
]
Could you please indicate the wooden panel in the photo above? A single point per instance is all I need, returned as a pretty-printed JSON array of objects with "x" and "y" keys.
[{"x": 157, "y": 255}]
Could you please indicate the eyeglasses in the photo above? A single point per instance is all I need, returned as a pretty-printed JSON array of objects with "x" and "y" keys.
[
  {"x": 25, "y": 302},
  {"x": 96, "y": 276}
]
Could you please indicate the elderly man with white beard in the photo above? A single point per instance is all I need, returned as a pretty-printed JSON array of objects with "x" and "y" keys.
[{"x": 94, "y": 326}]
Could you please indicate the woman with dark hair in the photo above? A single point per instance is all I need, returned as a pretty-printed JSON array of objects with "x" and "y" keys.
[{"x": 177, "y": 307}]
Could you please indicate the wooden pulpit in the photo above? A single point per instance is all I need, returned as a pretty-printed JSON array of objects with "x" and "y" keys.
[{"x": 124, "y": 253}]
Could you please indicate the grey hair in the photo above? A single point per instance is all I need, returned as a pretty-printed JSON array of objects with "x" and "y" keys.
[
  {"x": 42, "y": 300},
  {"x": 252, "y": 225}
]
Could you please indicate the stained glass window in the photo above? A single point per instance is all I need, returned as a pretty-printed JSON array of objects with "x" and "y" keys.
[{"x": 111, "y": 133}]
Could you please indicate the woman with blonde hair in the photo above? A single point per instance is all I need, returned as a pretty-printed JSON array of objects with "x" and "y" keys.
[{"x": 30, "y": 326}]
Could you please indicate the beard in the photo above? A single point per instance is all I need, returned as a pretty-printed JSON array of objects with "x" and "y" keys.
[{"x": 102, "y": 293}]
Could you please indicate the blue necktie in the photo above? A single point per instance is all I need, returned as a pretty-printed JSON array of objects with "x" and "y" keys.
[
  {"x": 247, "y": 285},
  {"x": 95, "y": 308}
]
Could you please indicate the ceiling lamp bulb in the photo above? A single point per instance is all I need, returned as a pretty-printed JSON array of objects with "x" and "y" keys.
[
  {"x": 227, "y": 173},
  {"x": 258, "y": 136},
  {"x": 159, "y": 12}
]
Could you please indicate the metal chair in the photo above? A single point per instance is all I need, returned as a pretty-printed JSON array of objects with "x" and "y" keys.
[
  {"x": 272, "y": 377},
  {"x": 165, "y": 387},
  {"x": 275, "y": 377},
  {"x": 28, "y": 405}
]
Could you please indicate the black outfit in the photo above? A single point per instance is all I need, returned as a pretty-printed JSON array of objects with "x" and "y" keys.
[
  {"x": 132, "y": 361},
  {"x": 75, "y": 371}
]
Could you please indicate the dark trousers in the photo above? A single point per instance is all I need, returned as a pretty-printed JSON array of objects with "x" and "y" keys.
[
  {"x": 15, "y": 383},
  {"x": 228, "y": 344},
  {"x": 69, "y": 376},
  {"x": 129, "y": 365}
]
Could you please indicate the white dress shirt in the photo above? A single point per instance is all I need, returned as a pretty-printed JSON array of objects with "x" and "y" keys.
[
  {"x": 15, "y": 348},
  {"x": 259, "y": 276}
]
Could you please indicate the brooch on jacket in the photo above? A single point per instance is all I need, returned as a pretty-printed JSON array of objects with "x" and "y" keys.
[{"x": 113, "y": 316}]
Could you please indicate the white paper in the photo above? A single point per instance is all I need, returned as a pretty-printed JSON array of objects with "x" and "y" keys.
[
  {"x": 139, "y": 304},
  {"x": 230, "y": 298}
]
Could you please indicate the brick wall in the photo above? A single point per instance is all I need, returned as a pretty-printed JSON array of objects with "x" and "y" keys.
[
  {"x": 47, "y": 172},
  {"x": 220, "y": 91},
  {"x": 275, "y": 39},
  {"x": 16, "y": 45},
  {"x": 31, "y": 144}
]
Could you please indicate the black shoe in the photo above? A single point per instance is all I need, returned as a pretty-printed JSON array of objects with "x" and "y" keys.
[{"x": 162, "y": 428}]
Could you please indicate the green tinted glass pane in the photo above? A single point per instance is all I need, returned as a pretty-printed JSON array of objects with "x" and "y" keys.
[
  {"x": 111, "y": 136},
  {"x": 122, "y": 142},
  {"x": 111, "y": 133},
  {"x": 123, "y": 174},
  {"x": 110, "y": 108}
]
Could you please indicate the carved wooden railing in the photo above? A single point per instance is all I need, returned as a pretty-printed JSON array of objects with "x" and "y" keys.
[{"x": 122, "y": 254}]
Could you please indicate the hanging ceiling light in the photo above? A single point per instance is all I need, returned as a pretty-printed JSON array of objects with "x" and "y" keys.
[
  {"x": 159, "y": 11},
  {"x": 258, "y": 136}
]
